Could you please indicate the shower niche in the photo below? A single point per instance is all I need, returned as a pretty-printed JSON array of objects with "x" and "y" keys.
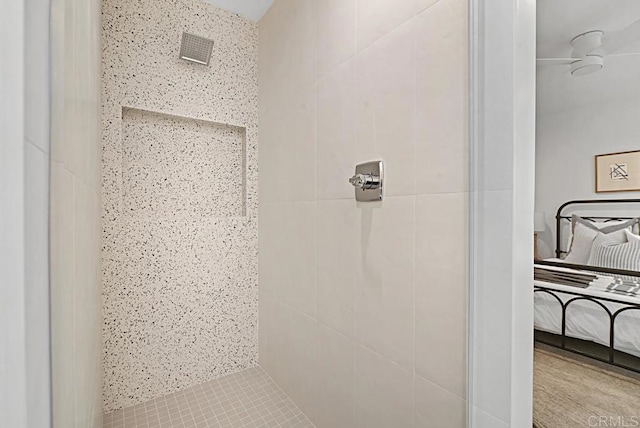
[{"x": 173, "y": 165}]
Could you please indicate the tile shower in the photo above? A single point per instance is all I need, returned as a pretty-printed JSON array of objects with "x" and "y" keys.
[{"x": 326, "y": 312}]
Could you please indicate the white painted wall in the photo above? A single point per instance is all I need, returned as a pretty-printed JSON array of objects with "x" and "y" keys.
[
  {"x": 566, "y": 144},
  {"x": 13, "y": 372},
  {"x": 25, "y": 392},
  {"x": 37, "y": 151}
]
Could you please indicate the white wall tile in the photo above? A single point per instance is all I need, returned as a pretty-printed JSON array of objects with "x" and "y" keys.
[
  {"x": 62, "y": 295},
  {"x": 76, "y": 293},
  {"x": 441, "y": 136},
  {"x": 272, "y": 247},
  {"x": 424, "y": 4},
  {"x": 336, "y": 33},
  {"x": 385, "y": 110},
  {"x": 277, "y": 338},
  {"x": 62, "y": 89},
  {"x": 338, "y": 263},
  {"x": 81, "y": 48},
  {"x": 273, "y": 154},
  {"x": 384, "y": 312},
  {"x": 78, "y": 151},
  {"x": 395, "y": 96},
  {"x": 87, "y": 345},
  {"x": 298, "y": 287},
  {"x": 271, "y": 61},
  {"x": 295, "y": 356},
  {"x": 287, "y": 264},
  {"x": 336, "y": 380},
  {"x": 441, "y": 288},
  {"x": 383, "y": 392},
  {"x": 57, "y": 76},
  {"x": 336, "y": 133},
  {"x": 438, "y": 408},
  {"x": 266, "y": 324},
  {"x": 300, "y": 144},
  {"x": 378, "y": 17},
  {"x": 293, "y": 25}
]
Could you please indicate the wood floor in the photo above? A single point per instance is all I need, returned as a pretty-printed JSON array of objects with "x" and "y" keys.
[{"x": 570, "y": 393}]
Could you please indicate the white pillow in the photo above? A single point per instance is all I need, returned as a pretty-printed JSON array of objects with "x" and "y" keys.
[
  {"x": 585, "y": 232},
  {"x": 598, "y": 224},
  {"x": 631, "y": 237},
  {"x": 608, "y": 253}
]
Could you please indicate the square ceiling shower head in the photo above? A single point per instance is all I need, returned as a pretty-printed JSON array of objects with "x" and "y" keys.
[{"x": 196, "y": 49}]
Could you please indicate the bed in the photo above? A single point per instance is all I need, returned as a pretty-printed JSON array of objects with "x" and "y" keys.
[{"x": 592, "y": 311}]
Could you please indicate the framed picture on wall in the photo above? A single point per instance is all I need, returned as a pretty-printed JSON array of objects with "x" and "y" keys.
[{"x": 618, "y": 172}]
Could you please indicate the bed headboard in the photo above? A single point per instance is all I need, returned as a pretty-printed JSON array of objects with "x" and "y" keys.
[{"x": 564, "y": 216}]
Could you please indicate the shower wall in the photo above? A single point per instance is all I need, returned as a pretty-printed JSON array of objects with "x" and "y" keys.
[
  {"x": 179, "y": 199},
  {"x": 363, "y": 306},
  {"x": 76, "y": 303}
]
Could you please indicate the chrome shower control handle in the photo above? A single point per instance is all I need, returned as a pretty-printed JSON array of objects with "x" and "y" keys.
[
  {"x": 357, "y": 180},
  {"x": 368, "y": 181},
  {"x": 365, "y": 181}
]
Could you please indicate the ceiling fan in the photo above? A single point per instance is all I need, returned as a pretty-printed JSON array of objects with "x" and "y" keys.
[{"x": 590, "y": 49}]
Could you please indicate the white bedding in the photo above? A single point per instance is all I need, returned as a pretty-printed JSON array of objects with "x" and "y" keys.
[{"x": 586, "y": 320}]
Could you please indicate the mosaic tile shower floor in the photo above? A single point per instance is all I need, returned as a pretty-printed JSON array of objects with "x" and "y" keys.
[{"x": 249, "y": 398}]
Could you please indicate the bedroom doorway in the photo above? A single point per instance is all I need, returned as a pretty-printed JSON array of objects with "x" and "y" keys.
[{"x": 587, "y": 208}]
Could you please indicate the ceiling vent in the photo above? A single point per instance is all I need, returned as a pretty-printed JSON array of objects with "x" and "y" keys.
[{"x": 196, "y": 49}]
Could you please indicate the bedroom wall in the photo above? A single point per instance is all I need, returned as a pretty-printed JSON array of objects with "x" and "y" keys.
[
  {"x": 566, "y": 143},
  {"x": 179, "y": 212},
  {"x": 363, "y": 307}
]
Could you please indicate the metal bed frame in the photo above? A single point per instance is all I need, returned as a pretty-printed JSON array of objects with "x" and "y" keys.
[{"x": 614, "y": 357}]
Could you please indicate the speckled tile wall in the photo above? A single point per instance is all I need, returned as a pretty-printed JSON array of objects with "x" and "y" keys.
[{"x": 179, "y": 199}]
